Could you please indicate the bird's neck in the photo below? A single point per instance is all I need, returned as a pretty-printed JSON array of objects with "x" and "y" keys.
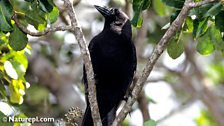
[{"x": 126, "y": 30}]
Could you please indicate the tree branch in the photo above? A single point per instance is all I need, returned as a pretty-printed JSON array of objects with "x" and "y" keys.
[
  {"x": 143, "y": 106},
  {"x": 44, "y": 32},
  {"x": 160, "y": 47},
  {"x": 77, "y": 31},
  {"x": 87, "y": 62}
]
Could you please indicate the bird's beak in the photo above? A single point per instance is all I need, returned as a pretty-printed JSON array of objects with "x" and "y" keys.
[{"x": 103, "y": 10}]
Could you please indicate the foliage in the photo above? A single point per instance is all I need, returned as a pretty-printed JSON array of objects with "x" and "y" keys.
[
  {"x": 150, "y": 123},
  {"x": 206, "y": 26},
  {"x": 13, "y": 44},
  {"x": 176, "y": 46},
  {"x": 160, "y": 8},
  {"x": 216, "y": 72},
  {"x": 178, "y": 4},
  {"x": 138, "y": 7},
  {"x": 205, "y": 119},
  {"x": 205, "y": 23}
]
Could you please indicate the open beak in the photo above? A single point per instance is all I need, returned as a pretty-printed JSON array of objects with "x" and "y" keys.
[{"x": 104, "y": 11}]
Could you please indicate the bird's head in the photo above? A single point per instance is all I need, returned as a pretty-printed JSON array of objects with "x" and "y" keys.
[{"x": 115, "y": 19}]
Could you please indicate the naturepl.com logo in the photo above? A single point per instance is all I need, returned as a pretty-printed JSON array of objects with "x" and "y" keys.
[{"x": 13, "y": 119}]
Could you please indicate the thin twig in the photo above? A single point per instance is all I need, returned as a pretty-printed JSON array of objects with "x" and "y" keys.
[
  {"x": 41, "y": 33},
  {"x": 87, "y": 62},
  {"x": 143, "y": 106},
  {"x": 160, "y": 47},
  {"x": 193, "y": 4}
]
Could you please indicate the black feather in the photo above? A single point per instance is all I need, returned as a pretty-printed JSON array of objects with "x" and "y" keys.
[{"x": 114, "y": 62}]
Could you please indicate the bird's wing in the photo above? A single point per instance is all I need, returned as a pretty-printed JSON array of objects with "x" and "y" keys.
[
  {"x": 133, "y": 62},
  {"x": 85, "y": 82},
  {"x": 92, "y": 49},
  {"x": 134, "y": 57},
  {"x": 132, "y": 71}
]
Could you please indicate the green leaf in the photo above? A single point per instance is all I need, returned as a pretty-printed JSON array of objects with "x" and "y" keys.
[
  {"x": 5, "y": 15},
  {"x": 6, "y": 9},
  {"x": 146, "y": 4},
  {"x": 216, "y": 72},
  {"x": 46, "y": 5},
  {"x": 17, "y": 39},
  {"x": 35, "y": 16},
  {"x": 200, "y": 27},
  {"x": 10, "y": 70},
  {"x": 201, "y": 11},
  {"x": 20, "y": 57},
  {"x": 175, "y": 47},
  {"x": 20, "y": 69},
  {"x": 214, "y": 10},
  {"x": 2, "y": 35},
  {"x": 138, "y": 7},
  {"x": 17, "y": 63},
  {"x": 17, "y": 90},
  {"x": 219, "y": 21},
  {"x": 41, "y": 27},
  {"x": 136, "y": 19},
  {"x": 150, "y": 123},
  {"x": 4, "y": 123},
  {"x": 53, "y": 15},
  {"x": 189, "y": 24},
  {"x": 216, "y": 38},
  {"x": 136, "y": 4},
  {"x": 205, "y": 46},
  {"x": 35, "y": 98},
  {"x": 159, "y": 7},
  {"x": 210, "y": 41},
  {"x": 139, "y": 22},
  {"x": 195, "y": 27},
  {"x": 1, "y": 115},
  {"x": 206, "y": 119},
  {"x": 174, "y": 3},
  {"x": 3, "y": 93}
]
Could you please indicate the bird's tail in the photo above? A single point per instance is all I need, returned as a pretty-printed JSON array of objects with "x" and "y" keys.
[
  {"x": 87, "y": 118},
  {"x": 106, "y": 120},
  {"x": 109, "y": 118}
]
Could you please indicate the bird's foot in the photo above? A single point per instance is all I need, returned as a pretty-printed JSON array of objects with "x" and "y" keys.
[{"x": 128, "y": 94}]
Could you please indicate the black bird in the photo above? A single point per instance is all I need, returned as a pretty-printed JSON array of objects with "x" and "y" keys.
[{"x": 114, "y": 62}]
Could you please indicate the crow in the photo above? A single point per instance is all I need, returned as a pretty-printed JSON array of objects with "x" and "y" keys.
[{"x": 113, "y": 56}]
